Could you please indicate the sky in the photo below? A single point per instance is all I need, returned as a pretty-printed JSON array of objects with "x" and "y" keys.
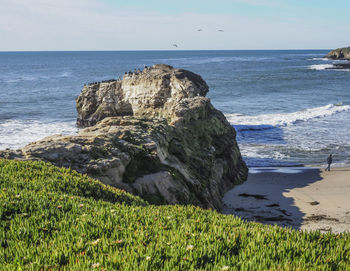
[{"x": 60, "y": 25}]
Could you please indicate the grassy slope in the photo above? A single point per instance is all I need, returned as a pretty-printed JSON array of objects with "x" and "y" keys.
[{"x": 53, "y": 218}]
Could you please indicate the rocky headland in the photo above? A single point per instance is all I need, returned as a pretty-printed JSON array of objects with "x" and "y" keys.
[
  {"x": 340, "y": 53},
  {"x": 154, "y": 134}
]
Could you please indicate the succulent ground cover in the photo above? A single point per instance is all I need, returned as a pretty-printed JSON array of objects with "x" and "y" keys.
[{"x": 56, "y": 219}]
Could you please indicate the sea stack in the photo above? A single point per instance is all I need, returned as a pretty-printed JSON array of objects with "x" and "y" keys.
[
  {"x": 154, "y": 92},
  {"x": 154, "y": 134}
]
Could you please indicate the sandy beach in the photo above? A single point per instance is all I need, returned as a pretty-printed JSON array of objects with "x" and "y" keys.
[{"x": 302, "y": 198}]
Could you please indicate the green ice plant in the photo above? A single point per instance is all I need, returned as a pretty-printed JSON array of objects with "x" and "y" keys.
[{"x": 56, "y": 219}]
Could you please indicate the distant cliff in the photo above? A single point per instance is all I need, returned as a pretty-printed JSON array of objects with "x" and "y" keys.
[
  {"x": 154, "y": 134},
  {"x": 340, "y": 53}
]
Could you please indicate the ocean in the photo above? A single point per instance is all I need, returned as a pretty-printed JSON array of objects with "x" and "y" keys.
[{"x": 288, "y": 108}]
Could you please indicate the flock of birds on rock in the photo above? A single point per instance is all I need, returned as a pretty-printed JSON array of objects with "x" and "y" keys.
[
  {"x": 135, "y": 72},
  {"x": 198, "y": 30},
  {"x": 103, "y": 81}
]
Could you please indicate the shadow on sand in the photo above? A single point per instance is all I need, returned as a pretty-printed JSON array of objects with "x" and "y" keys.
[{"x": 261, "y": 198}]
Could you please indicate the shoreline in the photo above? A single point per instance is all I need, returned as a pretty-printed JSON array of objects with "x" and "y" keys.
[{"x": 304, "y": 198}]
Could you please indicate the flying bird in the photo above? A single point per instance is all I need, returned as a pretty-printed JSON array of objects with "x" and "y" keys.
[
  {"x": 199, "y": 30},
  {"x": 220, "y": 30},
  {"x": 175, "y": 45}
]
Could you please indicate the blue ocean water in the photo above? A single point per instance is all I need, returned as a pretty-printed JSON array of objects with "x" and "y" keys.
[{"x": 287, "y": 107}]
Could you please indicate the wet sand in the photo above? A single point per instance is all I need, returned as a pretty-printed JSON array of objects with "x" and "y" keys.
[{"x": 302, "y": 198}]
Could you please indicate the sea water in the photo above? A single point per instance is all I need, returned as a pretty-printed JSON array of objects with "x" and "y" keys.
[{"x": 289, "y": 108}]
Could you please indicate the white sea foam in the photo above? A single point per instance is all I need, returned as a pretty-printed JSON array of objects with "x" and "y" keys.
[
  {"x": 18, "y": 133},
  {"x": 258, "y": 152},
  {"x": 320, "y": 58},
  {"x": 287, "y": 170},
  {"x": 320, "y": 67},
  {"x": 287, "y": 118}
]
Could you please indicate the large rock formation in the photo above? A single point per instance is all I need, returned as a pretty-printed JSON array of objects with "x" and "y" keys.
[
  {"x": 156, "y": 136},
  {"x": 340, "y": 53},
  {"x": 153, "y": 92}
]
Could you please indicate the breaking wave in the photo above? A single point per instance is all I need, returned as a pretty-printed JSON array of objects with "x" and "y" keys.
[
  {"x": 18, "y": 133},
  {"x": 319, "y": 59},
  {"x": 267, "y": 121},
  {"x": 320, "y": 67}
]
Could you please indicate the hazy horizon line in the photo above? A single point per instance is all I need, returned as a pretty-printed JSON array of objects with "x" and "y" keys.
[{"x": 158, "y": 50}]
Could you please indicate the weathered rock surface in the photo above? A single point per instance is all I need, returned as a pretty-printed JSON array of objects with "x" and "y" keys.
[
  {"x": 152, "y": 92},
  {"x": 156, "y": 136},
  {"x": 340, "y": 53}
]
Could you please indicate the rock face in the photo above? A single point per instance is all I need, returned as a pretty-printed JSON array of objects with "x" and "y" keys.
[
  {"x": 340, "y": 53},
  {"x": 156, "y": 136},
  {"x": 152, "y": 92}
]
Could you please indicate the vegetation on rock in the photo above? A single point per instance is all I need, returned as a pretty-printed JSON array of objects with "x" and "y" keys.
[
  {"x": 340, "y": 53},
  {"x": 154, "y": 134}
]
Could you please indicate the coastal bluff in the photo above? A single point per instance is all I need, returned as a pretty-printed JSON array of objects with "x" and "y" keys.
[
  {"x": 152, "y": 133},
  {"x": 340, "y": 53}
]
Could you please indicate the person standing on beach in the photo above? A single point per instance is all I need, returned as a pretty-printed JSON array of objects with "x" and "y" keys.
[{"x": 329, "y": 161}]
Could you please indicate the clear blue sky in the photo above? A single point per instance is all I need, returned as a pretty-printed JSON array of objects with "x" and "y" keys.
[{"x": 155, "y": 24}]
